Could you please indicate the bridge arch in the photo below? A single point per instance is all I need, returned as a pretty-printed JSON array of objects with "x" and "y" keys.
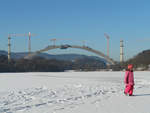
[{"x": 109, "y": 60}]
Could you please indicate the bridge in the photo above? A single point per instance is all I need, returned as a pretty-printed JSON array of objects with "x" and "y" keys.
[{"x": 109, "y": 60}]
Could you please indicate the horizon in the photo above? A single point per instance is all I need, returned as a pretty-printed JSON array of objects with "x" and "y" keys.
[{"x": 72, "y": 22}]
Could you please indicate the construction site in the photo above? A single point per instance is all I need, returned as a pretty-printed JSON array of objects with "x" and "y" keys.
[{"x": 107, "y": 56}]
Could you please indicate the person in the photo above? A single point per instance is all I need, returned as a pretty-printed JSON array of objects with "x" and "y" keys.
[{"x": 129, "y": 80}]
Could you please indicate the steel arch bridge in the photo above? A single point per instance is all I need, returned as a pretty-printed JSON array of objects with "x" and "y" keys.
[{"x": 109, "y": 60}]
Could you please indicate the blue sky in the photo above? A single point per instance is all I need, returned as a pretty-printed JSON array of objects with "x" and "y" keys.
[{"x": 77, "y": 21}]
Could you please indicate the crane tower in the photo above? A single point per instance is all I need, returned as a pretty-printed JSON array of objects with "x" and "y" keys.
[
  {"x": 9, "y": 48},
  {"x": 107, "y": 37},
  {"x": 121, "y": 51},
  {"x": 29, "y": 46}
]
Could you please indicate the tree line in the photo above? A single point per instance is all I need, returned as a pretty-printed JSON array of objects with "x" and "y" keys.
[{"x": 39, "y": 64}]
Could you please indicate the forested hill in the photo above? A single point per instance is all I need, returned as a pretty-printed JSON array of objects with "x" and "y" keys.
[
  {"x": 39, "y": 64},
  {"x": 141, "y": 59},
  {"x": 65, "y": 57}
]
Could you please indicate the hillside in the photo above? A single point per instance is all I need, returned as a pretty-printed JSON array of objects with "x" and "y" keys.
[
  {"x": 65, "y": 57},
  {"x": 141, "y": 60},
  {"x": 47, "y": 63}
]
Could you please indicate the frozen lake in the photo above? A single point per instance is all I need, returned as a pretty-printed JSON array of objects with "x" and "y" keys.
[{"x": 72, "y": 92}]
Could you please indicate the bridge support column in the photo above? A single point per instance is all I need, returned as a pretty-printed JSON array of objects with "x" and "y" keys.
[{"x": 9, "y": 49}]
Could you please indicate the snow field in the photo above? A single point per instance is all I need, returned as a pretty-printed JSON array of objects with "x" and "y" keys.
[{"x": 71, "y": 92}]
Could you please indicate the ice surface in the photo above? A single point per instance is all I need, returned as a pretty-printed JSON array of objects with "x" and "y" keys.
[{"x": 72, "y": 92}]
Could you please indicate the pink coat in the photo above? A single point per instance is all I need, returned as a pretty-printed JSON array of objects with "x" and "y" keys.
[{"x": 129, "y": 77}]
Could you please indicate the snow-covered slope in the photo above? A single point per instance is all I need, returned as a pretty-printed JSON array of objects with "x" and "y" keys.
[{"x": 72, "y": 92}]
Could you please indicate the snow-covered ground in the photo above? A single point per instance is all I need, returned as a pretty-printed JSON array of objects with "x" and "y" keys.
[{"x": 73, "y": 92}]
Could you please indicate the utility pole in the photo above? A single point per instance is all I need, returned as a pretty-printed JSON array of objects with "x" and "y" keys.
[{"x": 107, "y": 37}]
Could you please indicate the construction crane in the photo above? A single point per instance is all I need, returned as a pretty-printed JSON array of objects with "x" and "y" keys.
[
  {"x": 83, "y": 42},
  {"x": 9, "y": 45},
  {"x": 9, "y": 48},
  {"x": 19, "y": 35},
  {"x": 55, "y": 39},
  {"x": 29, "y": 39},
  {"x": 107, "y": 37},
  {"x": 143, "y": 40},
  {"x": 29, "y": 42}
]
